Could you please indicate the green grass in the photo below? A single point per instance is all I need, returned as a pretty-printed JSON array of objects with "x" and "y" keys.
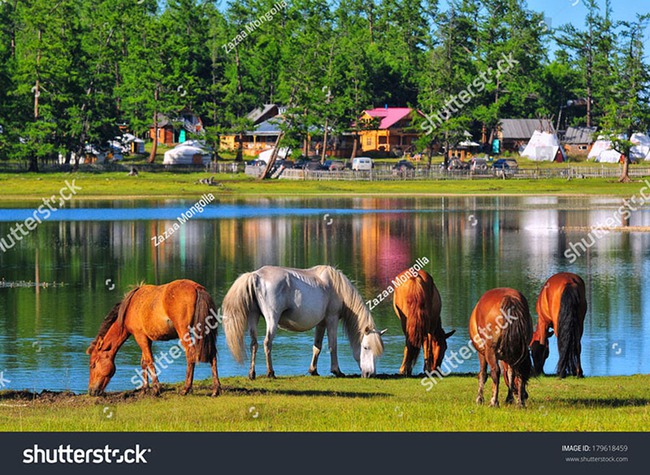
[
  {"x": 620, "y": 403},
  {"x": 118, "y": 185}
]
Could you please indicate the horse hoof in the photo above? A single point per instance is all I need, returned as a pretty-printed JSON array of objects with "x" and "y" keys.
[
  {"x": 251, "y": 375},
  {"x": 494, "y": 403},
  {"x": 479, "y": 400},
  {"x": 338, "y": 374},
  {"x": 314, "y": 373},
  {"x": 186, "y": 391},
  {"x": 271, "y": 375},
  {"x": 216, "y": 392}
]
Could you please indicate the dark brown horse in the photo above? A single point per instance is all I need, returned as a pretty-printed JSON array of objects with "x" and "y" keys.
[
  {"x": 561, "y": 306},
  {"x": 417, "y": 305},
  {"x": 500, "y": 328},
  {"x": 181, "y": 309}
]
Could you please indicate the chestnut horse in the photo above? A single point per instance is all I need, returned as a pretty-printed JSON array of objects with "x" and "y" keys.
[
  {"x": 417, "y": 305},
  {"x": 562, "y": 306},
  {"x": 500, "y": 328},
  {"x": 181, "y": 309}
]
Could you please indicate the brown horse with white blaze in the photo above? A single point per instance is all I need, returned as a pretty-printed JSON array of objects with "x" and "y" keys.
[
  {"x": 561, "y": 306},
  {"x": 180, "y": 309},
  {"x": 500, "y": 328},
  {"x": 417, "y": 305}
]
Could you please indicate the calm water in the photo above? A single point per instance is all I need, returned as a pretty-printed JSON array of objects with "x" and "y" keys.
[{"x": 473, "y": 244}]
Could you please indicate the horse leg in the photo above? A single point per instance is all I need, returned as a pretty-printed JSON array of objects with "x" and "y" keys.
[
  {"x": 522, "y": 395},
  {"x": 510, "y": 383},
  {"x": 190, "y": 354},
  {"x": 252, "y": 330},
  {"x": 332, "y": 325},
  {"x": 318, "y": 346},
  {"x": 495, "y": 373},
  {"x": 216, "y": 384},
  {"x": 268, "y": 346},
  {"x": 482, "y": 377},
  {"x": 410, "y": 355},
  {"x": 147, "y": 364}
]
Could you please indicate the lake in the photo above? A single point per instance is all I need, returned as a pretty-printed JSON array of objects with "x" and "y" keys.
[{"x": 58, "y": 282}]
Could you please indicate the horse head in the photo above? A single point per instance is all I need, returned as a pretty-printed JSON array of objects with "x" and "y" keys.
[
  {"x": 372, "y": 347},
  {"x": 539, "y": 351},
  {"x": 102, "y": 367},
  {"x": 439, "y": 348}
]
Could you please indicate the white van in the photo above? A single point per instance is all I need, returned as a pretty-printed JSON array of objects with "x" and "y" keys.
[{"x": 362, "y": 163}]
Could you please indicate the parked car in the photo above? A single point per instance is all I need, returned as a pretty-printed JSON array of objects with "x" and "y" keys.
[
  {"x": 403, "y": 165},
  {"x": 333, "y": 165},
  {"x": 458, "y": 164},
  {"x": 362, "y": 163},
  {"x": 306, "y": 164},
  {"x": 504, "y": 167},
  {"x": 257, "y": 163},
  {"x": 478, "y": 164}
]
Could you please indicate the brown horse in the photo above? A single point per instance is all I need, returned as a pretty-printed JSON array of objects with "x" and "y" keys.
[
  {"x": 417, "y": 305},
  {"x": 562, "y": 306},
  {"x": 500, "y": 328},
  {"x": 181, "y": 309}
]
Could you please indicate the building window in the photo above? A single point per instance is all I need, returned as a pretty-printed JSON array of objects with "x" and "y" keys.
[
  {"x": 382, "y": 139},
  {"x": 368, "y": 141},
  {"x": 582, "y": 147}
]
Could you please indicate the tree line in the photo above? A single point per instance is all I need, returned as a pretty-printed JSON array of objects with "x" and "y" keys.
[{"x": 71, "y": 71}]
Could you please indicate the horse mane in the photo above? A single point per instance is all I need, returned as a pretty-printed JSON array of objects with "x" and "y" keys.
[
  {"x": 115, "y": 316},
  {"x": 418, "y": 308},
  {"x": 356, "y": 317}
]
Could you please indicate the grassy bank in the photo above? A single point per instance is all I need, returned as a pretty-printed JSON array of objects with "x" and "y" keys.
[
  {"x": 117, "y": 185},
  {"x": 348, "y": 404}
]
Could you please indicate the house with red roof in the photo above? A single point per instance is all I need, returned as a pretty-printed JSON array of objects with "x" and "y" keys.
[{"x": 388, "y": 129}]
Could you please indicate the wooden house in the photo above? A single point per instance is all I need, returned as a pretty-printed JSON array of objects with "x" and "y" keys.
[{"x": 394, "y": 130}]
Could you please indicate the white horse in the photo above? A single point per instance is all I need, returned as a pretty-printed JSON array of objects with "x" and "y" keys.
[{"x": 299, "y": 300}]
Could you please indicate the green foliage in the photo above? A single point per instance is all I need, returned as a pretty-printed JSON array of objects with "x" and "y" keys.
[{"x": 96, "y": 64}]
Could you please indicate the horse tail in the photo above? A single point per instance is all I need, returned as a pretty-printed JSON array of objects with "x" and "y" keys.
[
  {"x": 205, "y": 323},
  {"x": 237, "y": 306},
  {"x": 568, "y": 331},
  {"x": 513, "y": 343},
  {"x": 418, "y": 310}
]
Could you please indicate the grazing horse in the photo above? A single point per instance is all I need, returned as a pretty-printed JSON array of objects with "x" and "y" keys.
[
  {"x": 299, "y": 300},
  {"x": 562, "y": 306},
  {"x": 500, "y": 328},
  {"x": 181, "y": 309},
  {"x": 417, "y": 305}
]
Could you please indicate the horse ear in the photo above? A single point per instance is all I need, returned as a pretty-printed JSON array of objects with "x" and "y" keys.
[
  {"x": 367, "y": 330},
  {"x": 447, "y": 335},
  {"x": 383, "y": 331}
]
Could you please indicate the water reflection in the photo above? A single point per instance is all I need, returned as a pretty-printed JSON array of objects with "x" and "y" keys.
[{"x": 472, "y": 243}]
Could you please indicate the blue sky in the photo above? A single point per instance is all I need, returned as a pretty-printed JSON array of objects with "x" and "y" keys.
[{"x": 561, "y": 12}]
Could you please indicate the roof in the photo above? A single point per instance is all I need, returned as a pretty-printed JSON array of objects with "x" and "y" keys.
[
  {"x": 260, "y": 114},
  {"x": 524, "y": 128},
  {"x": 389, "y": 115},
  {"x": 268, "y": 127},
  {"x": 579, "y": 135}
]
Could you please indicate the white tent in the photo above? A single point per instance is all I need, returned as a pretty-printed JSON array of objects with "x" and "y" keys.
[
  {"x": 186, "y": 154},
  {"x": 266, "y": 154},
  {"x": 641, "y": 149},
  {"x": 544, "y": 147},
  {"x": 602, "y": 150}
]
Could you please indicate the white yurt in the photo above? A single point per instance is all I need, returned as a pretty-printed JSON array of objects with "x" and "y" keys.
[
  {"x": 544, "y": 147},
  {"x": 602, "y": 152},
  {"x": 188, "y": 153}
]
